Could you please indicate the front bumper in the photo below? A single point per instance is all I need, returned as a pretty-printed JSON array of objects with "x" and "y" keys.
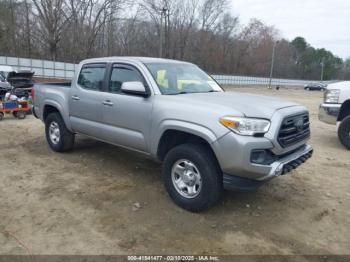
[
  {"x": 328, "y": 113},
  {"x": 287, "y": 163},
  {"x": 282, "y": 166},
  {"x": 233, "y": 153}
]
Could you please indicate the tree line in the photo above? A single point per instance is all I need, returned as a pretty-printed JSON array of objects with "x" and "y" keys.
[{"x": 201, "y": 31}]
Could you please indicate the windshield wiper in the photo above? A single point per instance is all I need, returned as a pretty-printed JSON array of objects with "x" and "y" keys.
[
  {"x": 180, "y": 93},
  {"x": 184, "y": 92}
]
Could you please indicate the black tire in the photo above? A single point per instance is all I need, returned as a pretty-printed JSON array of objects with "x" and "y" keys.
[
  {"x": 21, "y": 115},
  {"x": 344, "y": 132},
  {"x": 15, "y": 114},
  {"x": 210, "y": 173},
  {"x": 1, "y": 116},
  {"x": 66, "y": 138}
]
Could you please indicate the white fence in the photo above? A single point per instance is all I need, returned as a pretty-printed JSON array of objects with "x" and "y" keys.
[
  {"x": 248, "y": 80},
  {"x": 61, "y": 70},
  {"x": 42, "y": 68}
]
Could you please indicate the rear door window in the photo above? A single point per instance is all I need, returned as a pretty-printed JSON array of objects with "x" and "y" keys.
[{"x": 92, "y": 76}]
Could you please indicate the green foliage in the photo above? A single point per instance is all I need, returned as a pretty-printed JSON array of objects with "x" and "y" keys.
[
  {"x": 310, "y": 61},
  {"x": 299, "y": 44}
]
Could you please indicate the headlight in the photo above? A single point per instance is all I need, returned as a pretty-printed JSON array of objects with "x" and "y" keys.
[
  {"x": 331, "y": 96},
  {"x": 246, "y": 126}
]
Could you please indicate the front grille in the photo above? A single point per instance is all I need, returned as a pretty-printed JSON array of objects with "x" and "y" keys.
[{"x": 294, "y": 129}]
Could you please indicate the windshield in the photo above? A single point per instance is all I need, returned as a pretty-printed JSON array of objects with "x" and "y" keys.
[{"x": 177, "y": 78}]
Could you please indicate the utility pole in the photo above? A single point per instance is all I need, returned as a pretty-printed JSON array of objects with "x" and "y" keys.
[
  {"x": 167, "y": 29},
  {"x": 272, "y": 62},
  {"x": 161, "y": 35},
  {"x": 322, "y": 71},
  {"x": 163, "y": 13}
]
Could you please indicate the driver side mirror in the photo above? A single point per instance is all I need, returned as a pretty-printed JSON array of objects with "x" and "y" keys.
[{"x": 135, "y": 88}]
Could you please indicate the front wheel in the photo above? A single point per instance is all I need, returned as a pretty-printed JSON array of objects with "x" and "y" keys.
[
  {"x": 192, "y": 177},
  {"x": 58, "y": 136},
  {"x": 344, "y": 132}
]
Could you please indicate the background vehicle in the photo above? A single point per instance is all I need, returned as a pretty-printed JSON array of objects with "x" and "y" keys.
[
  {"x": 336, "y": 109},
  {"x": 4, "y": 70},
  {"x": 18, "y": 109},
  {"x": 19, "y": 83},
  {"x": 175, "y": 113},
  {"x": 4, "y": 85},
  {"x": 22, "y": 83},
  {"x": 315, "y": 86}
]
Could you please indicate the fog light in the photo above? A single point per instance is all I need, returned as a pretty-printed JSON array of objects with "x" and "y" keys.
[
  {"x": 262, "y": 157},
  {"x": 258, "y": 156}
]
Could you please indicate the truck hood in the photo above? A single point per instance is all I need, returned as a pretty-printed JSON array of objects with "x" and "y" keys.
[
  {"x": 20, "y": 75},
  {"x": 249, "y": 105},
  {"x": 344, "y": 85},
  {"x": 22, "y": 79}
]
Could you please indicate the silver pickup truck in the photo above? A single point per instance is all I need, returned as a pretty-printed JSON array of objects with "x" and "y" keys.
[{"x": 207, "y": 139}]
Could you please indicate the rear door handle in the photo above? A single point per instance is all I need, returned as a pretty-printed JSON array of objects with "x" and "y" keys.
[
  {"x": 76, "y": 98},
  {"x": 107, "y": 103}
]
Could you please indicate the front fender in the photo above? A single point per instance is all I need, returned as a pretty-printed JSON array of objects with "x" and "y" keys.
[{"x": 188, "y": 127}]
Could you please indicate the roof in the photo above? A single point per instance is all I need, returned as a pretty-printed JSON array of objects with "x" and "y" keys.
[{"x": 131, "y": 59}]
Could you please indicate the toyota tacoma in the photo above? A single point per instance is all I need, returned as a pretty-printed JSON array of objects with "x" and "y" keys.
[{"x": 207, "y": 139}]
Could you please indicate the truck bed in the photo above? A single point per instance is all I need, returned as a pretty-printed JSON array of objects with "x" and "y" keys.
[
  {"x": 53, "y": 94},
  {"x": 62, "y": 84}
]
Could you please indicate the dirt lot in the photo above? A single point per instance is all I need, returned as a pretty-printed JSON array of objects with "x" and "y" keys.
[{"x": 83, "y": 202}]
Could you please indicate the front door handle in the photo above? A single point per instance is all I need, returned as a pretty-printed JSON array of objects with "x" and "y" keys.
[
  {"x": 107, "y": 103},
  {"x": 76, "y": 98}
]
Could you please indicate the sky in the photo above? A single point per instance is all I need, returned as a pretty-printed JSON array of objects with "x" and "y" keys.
[{"x": 323, "y": 23}]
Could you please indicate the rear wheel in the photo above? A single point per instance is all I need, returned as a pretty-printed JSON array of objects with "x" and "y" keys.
[
  {"x": 192, "y": 177},
  {"x": 1, "y": 116},
  {"x": 21, "y": 115},
  {"x": 344, "y": 132},
  {"x": 58, "y": 136}
]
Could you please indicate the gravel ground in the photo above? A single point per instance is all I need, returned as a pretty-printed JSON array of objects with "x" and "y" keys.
[{"x": 100, "y": 199}]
